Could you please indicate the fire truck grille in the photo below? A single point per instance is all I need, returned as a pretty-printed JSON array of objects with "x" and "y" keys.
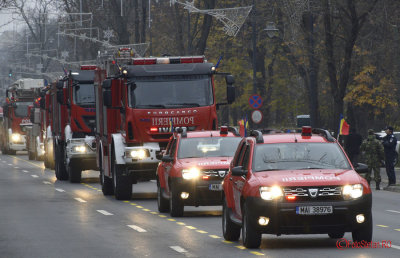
[
  {"x": 318, "y": 193},
  {"x": 90, "y": 121},
  {"x": 214, "y": 174}
]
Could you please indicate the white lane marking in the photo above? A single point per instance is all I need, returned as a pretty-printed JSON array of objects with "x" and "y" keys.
[
  {"x": 34, "y": 176},
  {"x": 393, "y": 211},
  {"x": 396, "y": 247},
  {"x": 10, "y": 164},
  {"x": 25, "y": 171},
  {"x": 79, "y": 200},
  {"x": 4, "y": 161},
  {"x": 16, "y": 167},
  {"x": 60, "y": 190},
  {"x": 46, "y": 183},
  {"x": 180, "y": 249},
  {"x": 138, "y": 229},
  {"x": 105, "y": 212}
]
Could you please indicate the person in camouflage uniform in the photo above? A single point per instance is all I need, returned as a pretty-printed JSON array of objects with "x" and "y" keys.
[{"x": 373, "y": 153}]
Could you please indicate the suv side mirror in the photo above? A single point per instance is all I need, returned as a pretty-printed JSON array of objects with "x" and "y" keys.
[
  {"x": 230, "y": 89},
  {"x": 239, "y": 171},
  {"x": 361, "y": 168},
  {"x": 167, "y": 158}
]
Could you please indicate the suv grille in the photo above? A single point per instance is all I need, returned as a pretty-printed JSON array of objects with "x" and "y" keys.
[
  {"x": 314, "y": 193},
  {"x": 215, "y": 173}
]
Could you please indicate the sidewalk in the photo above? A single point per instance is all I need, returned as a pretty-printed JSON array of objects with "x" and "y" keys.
[{"x": 385, "y": 181}]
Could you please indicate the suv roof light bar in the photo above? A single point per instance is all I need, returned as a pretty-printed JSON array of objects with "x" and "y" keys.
[
  {"x": 324, "y": 133},
  {"x": 258, "y": 135}
]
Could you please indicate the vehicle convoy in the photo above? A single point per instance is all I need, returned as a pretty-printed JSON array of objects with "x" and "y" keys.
[
  {"x": 300, "y": 183},
  {"x": 20, "y": 96},
  {"x": 193, "y": 167},
  {"x": 73, "y": 123},
  {"x": 138, "y": 105}
]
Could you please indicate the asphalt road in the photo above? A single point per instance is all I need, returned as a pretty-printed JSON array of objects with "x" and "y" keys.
[{"x": 43, "y": 217}]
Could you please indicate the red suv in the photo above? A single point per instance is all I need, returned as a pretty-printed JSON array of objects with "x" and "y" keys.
[
  {"x": 193, "y": 167},
  {"x": 294, "y": 184}
]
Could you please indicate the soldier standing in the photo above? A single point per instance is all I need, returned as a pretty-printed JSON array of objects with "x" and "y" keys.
[
  {"x": 373, "y": 154},
  {"x": 389, "y": 143}
]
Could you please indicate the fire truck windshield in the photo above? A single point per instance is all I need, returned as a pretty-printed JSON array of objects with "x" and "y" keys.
[
  {"x": 299, "y": 156},
  {"x": 208, "y": 147},
  {"x": 171, "y": 92},
  {"x": 21, "y": 109},
  {"x": 84, "y": 94}
]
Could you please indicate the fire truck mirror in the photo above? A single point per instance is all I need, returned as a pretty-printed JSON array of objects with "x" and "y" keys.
[
  {"x": 107, "y": 98},
  {"x": 229, "y": 79},
  {"x": 42, "y": 103},
  {"x": 230, "y": 93},
  {"x": 60, "y": 97},
  {"x": 60, "y": 85},
  {"x": 106, "y": 84}
]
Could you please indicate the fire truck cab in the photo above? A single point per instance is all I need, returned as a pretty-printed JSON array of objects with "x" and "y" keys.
[
  {"x": 20, "y": 96},
  {"x": 138, "y": 103},
  {"x": 73, "y": 117}
]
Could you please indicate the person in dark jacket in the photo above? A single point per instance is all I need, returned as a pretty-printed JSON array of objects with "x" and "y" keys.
[
  {"x": 389, "y": 144},
  {"x": 352, "y": 145}
]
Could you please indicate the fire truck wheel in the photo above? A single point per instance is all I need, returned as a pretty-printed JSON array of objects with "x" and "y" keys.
[
  {"x": 163, "y": 205},
  {"x": 175, "y": 203},
  {"x": 250, "y": 237},
  {"x": 74, "y": 172},
  {"x": 364, "y": 233},
  {"x": 122, "y": 184},
  {"x": 59, "y": 165},
  {"x": 230, "y": 230},
  {"x": 106, "y": 183}
]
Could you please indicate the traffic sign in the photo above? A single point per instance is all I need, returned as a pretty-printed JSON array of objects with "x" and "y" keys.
[
  {"x": 255, "y": 101},
  {"x": 256, "y": 116}
]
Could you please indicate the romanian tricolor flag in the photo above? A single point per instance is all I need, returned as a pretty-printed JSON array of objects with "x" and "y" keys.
[
  {"x": 243, "y": 126},
  {"x": 343, "y": 126},
  {"x": 171, "y": 126}
]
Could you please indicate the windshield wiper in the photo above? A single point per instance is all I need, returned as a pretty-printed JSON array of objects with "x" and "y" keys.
[
  {"x": 184, "y": 104},
  {"x": 151, "y": 106}
]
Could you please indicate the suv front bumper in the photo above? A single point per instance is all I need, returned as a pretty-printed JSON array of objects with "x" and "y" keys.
[{"x": 284, "y": 220}]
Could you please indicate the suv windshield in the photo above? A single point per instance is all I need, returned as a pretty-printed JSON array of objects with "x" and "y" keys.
[
  {"x": 171, "y": 92},
  {"x": 297, "y": 156},
  {"x": 21, "y": 109},
  {"x": 84, "y": 94},
  {"x": 208, "y": 147}
]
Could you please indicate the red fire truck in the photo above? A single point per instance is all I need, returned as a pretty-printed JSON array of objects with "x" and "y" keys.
[
  {"x": 139, "y": 104},
  {"x": 46, "y": 114},
  {"x": 20, "y": 96},
  {"x": 73, "y": 118}
]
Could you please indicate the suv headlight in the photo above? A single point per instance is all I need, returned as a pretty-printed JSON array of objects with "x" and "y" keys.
[
  {"x": 352, "y": 191},
  {"x": 270, "y": 193},
  {"x": 16, "y": 137},
  {"x": 190, "y": 173}
]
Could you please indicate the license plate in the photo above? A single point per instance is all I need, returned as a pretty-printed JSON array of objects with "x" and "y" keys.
[
  {"x": 314, "y": 210},
  {"x": 215, "y": 187}
]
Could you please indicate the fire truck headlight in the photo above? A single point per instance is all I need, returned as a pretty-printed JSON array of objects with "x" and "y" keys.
[
  {"x": 352, "y": 191},
  {"x": 16, "y": 137},
  {"x": 81, "y": 149},
  {"x": 190, "y": 173},
  {"x": 270, "y": 193},
  {"x": 138, "y": 154}
]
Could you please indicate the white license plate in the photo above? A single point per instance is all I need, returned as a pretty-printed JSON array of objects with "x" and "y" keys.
[
  {"x": 314, "y": 210},
  {"x": 215, "y": 187}
]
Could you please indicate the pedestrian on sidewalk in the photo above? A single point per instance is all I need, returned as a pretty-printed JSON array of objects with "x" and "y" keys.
[
  {"x": 352, "y": 145},
  {"x": 389, "y": 143},
  {"x": 373, "y": 153}
]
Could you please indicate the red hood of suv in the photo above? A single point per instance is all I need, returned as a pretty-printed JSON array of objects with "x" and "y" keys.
[{"x": 311, "y": 177}]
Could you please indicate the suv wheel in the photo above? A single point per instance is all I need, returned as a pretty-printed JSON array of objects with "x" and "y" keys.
[
  {"x": 251, "y": 238},
  {"x": 175, "y": 203},
  {"x": 162, "y": 203},
  {"x": 230, "y": 230}
]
